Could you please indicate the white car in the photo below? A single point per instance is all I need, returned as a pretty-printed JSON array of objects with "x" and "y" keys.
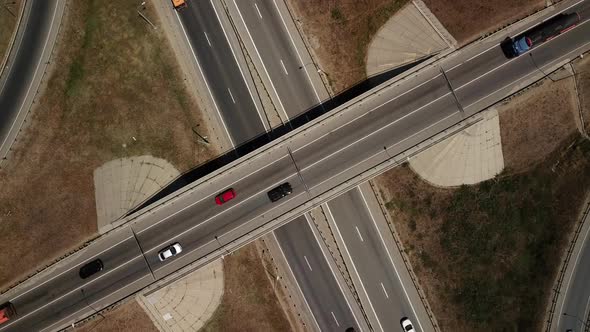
[
  {"x": 169, "y": 251},
  {"x": 407, "y": 325}
]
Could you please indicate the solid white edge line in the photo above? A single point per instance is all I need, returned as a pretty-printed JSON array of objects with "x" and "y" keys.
[
  {"x": 515, "y": 58},
  {"x": 296, "y": 283},
  {"x": 74, "y": 290},
  {"x": 515, "y": 34},
  {"x": 262, "y": 62},
  {"x": 405, "y": 139},
  {"x": 313, "y": 231},
  {"x": 354, "y": 266},
  {"x": 190, "y": 45},
  {"x": 68, "y": 270},
  {"x": 297, "y": 51},
  {"x": 527, "y": 75},
  {"x": 239, "y": 67},
  {"x": 206, "y": 221},
  {"x": 208, "y": 196},
  {"x": 368, "y": 112},
  {"x": 389, "y": 256},
  {"x": 569, "y": 280},
  {"x": 32, "y": 79},
  {"x": 373, "y": 133}
]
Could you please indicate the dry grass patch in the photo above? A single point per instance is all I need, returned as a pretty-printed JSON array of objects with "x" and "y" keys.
[
  {"x": 248, "y": 302},
  {"x": 340, "y": 33},
  {"x": 467, "y": 20},
  {"x": 582, "y": 67},
  {"x": 115, "y": 78},
  {"x": 129, "y": 317},
  {"x": 534, "y": 123},
  {"x": 478, "y": 249},
  {"x": 8, "y": 17}
]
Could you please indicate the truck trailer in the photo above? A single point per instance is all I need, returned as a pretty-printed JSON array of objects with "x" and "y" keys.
[{"x": 513, "y": 47}]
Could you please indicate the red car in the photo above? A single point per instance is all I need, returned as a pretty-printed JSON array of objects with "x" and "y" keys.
[{"x": 225, "y": 196}]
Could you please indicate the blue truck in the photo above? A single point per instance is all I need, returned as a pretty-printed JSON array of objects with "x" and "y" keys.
[{"x": 558, "y": 24}]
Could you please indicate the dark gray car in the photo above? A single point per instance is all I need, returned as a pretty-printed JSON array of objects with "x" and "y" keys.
[{"x": 279, "y": 192}]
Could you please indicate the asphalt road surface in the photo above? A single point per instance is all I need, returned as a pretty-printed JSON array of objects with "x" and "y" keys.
[
  {"x": 575, "y": 311},
  {"x": 327, "y": 154},
  {"x": 224, "y": 77},
  {"x": 266, "y": 27},
  {"x": 330, "y": 308},
  {"x": 23, "y": 63},
  {"x": 358, "y": 229}
]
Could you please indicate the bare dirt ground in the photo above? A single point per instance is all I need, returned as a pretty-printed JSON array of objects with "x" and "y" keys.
[
  {"x": 467, "y": 20},
  {"x": 248, "y": 302},
  {"x": 582, "y": 67},
  {"x": 340, "y": 32},
  {"x": 8, "y": 17},
  {"x": 128, "y": 317},
  {"x": 115, "y": 79},
  {"x": 535, "y": 123},
  {"x": 477, "y": 249}
]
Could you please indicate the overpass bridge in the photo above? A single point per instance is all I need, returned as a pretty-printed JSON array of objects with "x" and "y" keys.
[{"x": 361, "y": 139}]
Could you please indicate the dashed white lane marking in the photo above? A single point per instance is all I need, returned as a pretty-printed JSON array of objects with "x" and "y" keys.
[
  {"x": 359, "y": 233},
  {"x": 384, "y": 291},
  {"x": 284, "y": 68},
  {"x": 258, "y": 10},
  {"x": 232, "y": 96},
  {"x": 308, "y": 265},
  {"x": 207, "y": 37},
  {"x": 334, "y": 316}
]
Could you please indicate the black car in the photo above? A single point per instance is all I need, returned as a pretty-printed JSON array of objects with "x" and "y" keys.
[
  {"x": 91, "y": 268},
  {"x": 279, "y": 192}
]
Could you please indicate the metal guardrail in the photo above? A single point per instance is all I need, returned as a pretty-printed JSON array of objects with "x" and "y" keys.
[
  {"x": 342, "y": 267},
  {"x": 562, "y": 271},
  {"x": 432, "y": 63}
]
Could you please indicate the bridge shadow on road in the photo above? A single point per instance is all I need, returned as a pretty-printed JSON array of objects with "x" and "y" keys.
[{"x": 258, "y": 141}]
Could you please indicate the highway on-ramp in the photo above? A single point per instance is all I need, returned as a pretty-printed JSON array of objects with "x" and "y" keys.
[
  {"x": 321, "y": 160},
  {"x": 26, "y": 64}
]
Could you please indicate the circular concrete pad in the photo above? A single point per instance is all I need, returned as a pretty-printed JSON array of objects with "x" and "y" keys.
[
  {"x": 122, "y": 184},
  {"x": 468, "y": 157},
  {"x": 188, "y": 303},
  {"x": 405, "y": 37}
]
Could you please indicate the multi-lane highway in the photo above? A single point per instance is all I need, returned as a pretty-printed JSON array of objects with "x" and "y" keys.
[
  {"x": 320, "y": 160},
  {"x": 218, "y": 61},
  {"x": 332, "y": 311},
  {"x": 372, "y": 264},
  {"x": 295, "y": 94},
  {"x": 26, "y": 65}
]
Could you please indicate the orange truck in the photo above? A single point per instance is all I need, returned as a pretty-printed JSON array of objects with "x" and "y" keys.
[
  {"x": 7, "y": 312},
  {"x": 177, "y": 4}
]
